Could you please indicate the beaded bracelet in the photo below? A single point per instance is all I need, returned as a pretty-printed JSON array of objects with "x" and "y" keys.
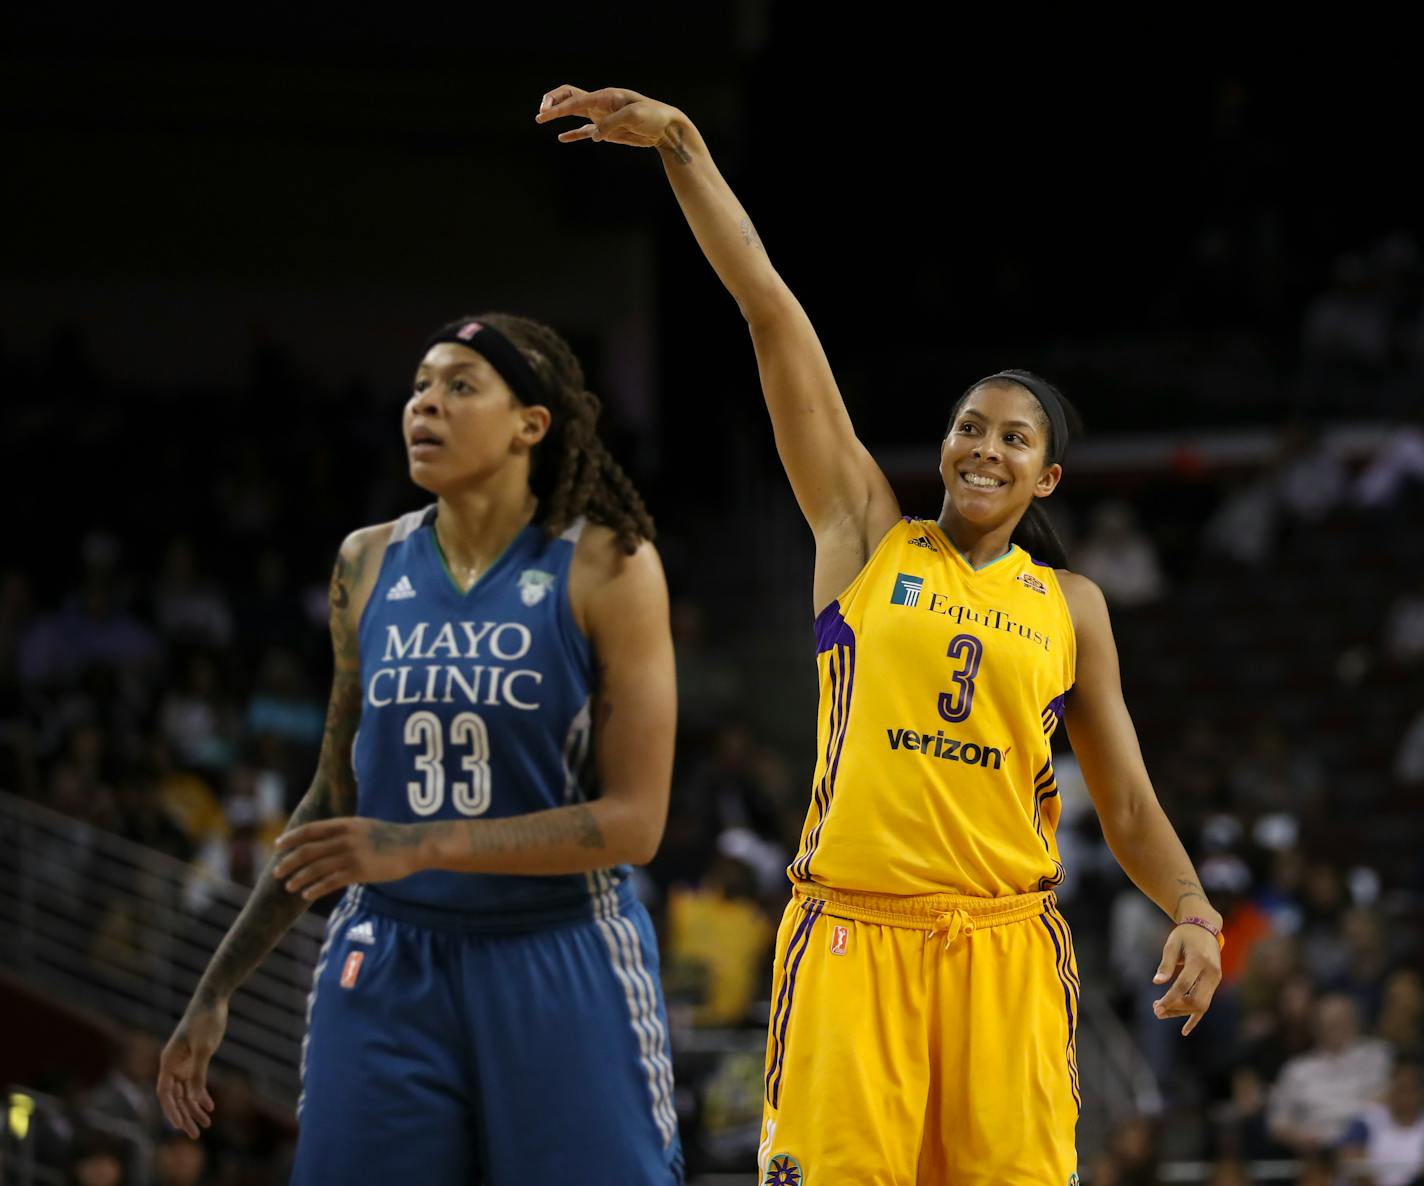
[{"x": 1206, "y": 926}]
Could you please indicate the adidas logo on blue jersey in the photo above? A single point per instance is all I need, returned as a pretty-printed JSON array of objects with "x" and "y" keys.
[
  {"x": 402, "y": 590},
  {"x": 362, "y": 932}
]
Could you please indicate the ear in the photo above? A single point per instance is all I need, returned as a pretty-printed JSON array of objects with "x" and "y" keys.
[
  {"x": 1048, "y": 481},
  {"x": 534, "y": 421}
]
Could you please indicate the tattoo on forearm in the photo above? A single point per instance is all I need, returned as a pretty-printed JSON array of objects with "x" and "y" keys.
[
  {"x": 576, "y": 825},
  {"x": 388, "y": 837},
  {"x": 678, "y": 146},
  {"x": 1193, "y": 892},
  {"x": 749, "y": 235}
]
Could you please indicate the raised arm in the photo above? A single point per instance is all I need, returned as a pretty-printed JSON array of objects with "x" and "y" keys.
[
  {"x": 841, "y": 490},
  {"x": 622, "y": 602},
  {"x": 1134, "y": 825},
  {"x": 270, "y": 910}
]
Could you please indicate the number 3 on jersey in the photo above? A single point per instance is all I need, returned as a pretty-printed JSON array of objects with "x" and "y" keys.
[
  {"x": 954, "y": 705},
  {"x": 428, "y": 796}
]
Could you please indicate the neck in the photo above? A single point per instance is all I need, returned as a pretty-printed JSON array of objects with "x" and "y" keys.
[
  {"x": 476, "y": 523},
  {"x": 978, "y": 543}
]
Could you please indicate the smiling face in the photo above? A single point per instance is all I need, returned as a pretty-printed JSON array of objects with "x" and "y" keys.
[
  {"x": 994, "y": 460},
  {"x": 462, "y": 422}
]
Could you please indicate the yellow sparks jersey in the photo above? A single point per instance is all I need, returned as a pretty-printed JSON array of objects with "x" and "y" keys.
[{"x": 941, "y": 687}]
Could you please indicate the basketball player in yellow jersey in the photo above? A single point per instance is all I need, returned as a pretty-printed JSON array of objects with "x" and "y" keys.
[{"x": 925, "y": 994}]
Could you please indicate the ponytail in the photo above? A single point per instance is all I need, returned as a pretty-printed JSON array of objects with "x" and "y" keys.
[{"x": 1037, "y": 536}]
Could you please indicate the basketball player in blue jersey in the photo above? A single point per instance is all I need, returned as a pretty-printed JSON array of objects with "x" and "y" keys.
[{"x": 498, "y": 752}]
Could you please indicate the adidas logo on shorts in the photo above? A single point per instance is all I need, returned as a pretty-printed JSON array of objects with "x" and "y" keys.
[
  {"x": 361, "y": 932},
  {"x": 402, "y": 590}
]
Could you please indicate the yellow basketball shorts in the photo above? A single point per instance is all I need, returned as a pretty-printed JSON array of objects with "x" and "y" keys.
[{"x": 921, "y": 1041}]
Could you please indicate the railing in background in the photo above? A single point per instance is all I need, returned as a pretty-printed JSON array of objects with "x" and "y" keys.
[{"x": 98, "y": 922}]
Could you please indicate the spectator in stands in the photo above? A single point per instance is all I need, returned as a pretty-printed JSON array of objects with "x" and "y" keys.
[
  {"x": 1401, "y": 1015},
  {"x": 97, "y": 1159},
  {"x": 190, "y": 609},
  {"x": 1403, "y": 641},
  {"x": 1409, "y": 756},
  {"x": 177, "y": 1161},
  {"x": 126, "y": 1092},
  {"x": 1243, "y": 527},
  {"x": 1311, "y": 477},
  {"x": 1120, "y": 557},
  {"x": 91, "y": 629},
  {"x": 1384, "y": 1144},
  {"x": 1398, "y": 464},
  {"x": 708, "y": 682},
  {"x": 197, "y": 719},
  {"x": 1320, "y": 1092},
  {"x": 719, "y": 939}
]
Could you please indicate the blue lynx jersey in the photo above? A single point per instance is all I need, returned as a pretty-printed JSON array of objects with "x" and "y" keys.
[{"x": 475, "y": 706}]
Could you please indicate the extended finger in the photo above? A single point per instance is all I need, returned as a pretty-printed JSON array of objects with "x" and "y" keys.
[
  {"x": 587, "y": 132},
  {"x": 328, "y": 885},
  {"x": 304, "y": 855},
  {"x": 562, "y": 101},
  {"x": 322, "y": 829},
  {"x": 1192, "y": 1022},
  {"x": 312, "y": 872},
  {"x": 618, "y": 127},
  {"x": 183, "y": 1116},
  {"x": 168, "y": 1100}
]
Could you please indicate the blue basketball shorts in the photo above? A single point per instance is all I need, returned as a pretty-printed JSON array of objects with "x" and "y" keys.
[{"x": 446, "y": 1056}]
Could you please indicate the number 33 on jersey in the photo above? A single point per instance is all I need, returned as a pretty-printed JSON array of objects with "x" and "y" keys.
[
  {"x": 941, "y": 688},
  {"x": 474, "y": 703}
]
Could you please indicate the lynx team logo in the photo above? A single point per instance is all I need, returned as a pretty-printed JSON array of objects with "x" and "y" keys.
[
  {"x": 840, "y": 936},
  {"x": 907, "y": 590},
  {"x": 533, "y": 585},
  {"x": 783, "y": 1170},
  {"x": 1074, "y": 1180}
]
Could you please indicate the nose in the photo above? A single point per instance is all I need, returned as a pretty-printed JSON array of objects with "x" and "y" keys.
[
  {"x": 987, "y": 448},
  {"x": 425, "y": 403}
]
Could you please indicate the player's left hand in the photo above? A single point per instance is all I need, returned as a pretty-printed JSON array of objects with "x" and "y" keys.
[
  {"x": 328, "y": 855},
  {"x": 1193, "y": 954}
]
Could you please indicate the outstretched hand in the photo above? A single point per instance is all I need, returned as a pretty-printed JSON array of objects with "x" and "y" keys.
[
  {"x": 618, "y": 116},
  {"x": 183, "y": 1067},
  {"x": 1194, "y": 955}
]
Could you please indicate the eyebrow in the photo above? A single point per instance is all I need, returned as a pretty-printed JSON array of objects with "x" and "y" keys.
[{"x": 1007, "y": 423}]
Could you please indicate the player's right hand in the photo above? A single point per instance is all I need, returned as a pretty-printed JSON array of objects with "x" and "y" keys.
[
  {"x": 619, "y": 116},
  {"x": 183, "y": 1067}
]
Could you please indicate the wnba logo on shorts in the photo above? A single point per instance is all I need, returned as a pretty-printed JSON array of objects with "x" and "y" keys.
[
  {"x": 351, "y": 969},
  {"x": 840, "y": 936}
]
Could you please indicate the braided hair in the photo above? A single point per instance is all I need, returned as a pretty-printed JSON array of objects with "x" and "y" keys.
[{"x": 571, "y": 471}]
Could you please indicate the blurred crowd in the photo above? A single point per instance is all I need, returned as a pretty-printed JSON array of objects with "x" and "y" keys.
[{"x": 163, "y": 671}]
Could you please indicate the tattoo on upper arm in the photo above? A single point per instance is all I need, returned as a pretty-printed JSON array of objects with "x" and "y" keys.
[
  {"x": 750, "y": 236},
  {"x": 343, "y": 713}
]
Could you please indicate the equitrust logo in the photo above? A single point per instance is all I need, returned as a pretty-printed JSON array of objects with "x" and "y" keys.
[
  {"x": 910, "y": 591},
  {"x": 907, "y": 590}
]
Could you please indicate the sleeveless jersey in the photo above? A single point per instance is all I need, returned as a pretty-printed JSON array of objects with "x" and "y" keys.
[
  {"x": 475, "y": 706},
  {"x": 941, "y": 688}
]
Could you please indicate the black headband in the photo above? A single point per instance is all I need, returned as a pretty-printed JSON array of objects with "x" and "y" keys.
[
  {"x": 1048, "y": 400},
  {"x": 501, "y": 353}
]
